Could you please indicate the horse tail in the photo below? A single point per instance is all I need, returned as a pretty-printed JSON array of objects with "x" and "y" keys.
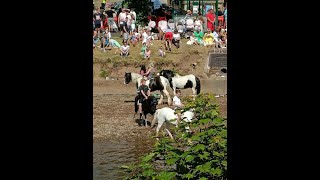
[{"x": 198, "y": 86}]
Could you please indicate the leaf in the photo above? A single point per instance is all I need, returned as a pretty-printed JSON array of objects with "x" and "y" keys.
[
  {"x": 204, "y": 121},
  {"x": 125, "y": 167},
  {"x": 148, "y": 157},
  {"x": 214, "y": 113},
  {"x": 148, "y": 173},
  {"x": 223, "y": 133},
  {"x": 224, "y": 163},
  {"x": 171, "y": 161},
  {"x": 203, "y": 178},
  {"x": 205, "y": 155},
  {"x": 188, "y": 176},
  {"x": 199, "y": 147},
  {"x": 166, "y": 175},
  {"x": 189, "y": 158},
  {"x": 218, "y": 171}
]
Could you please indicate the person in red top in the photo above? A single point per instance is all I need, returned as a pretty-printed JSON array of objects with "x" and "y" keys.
[{"x": 210, "y": 20}]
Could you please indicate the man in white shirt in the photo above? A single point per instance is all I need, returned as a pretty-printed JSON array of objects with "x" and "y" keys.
[{"x": 162, "y": 26}]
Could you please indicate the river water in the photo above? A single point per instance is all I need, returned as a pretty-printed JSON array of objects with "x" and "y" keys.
[{"x": 109, "y": 155}]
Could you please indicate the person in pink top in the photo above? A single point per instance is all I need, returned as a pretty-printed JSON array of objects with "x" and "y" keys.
[{"x": 210, "y": 20}]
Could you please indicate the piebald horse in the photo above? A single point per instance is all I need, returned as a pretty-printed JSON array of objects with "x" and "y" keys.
[
  {"x": 149, "y": 106},
  {"x": 158, "y": 83},
  {"x": 182, "y": 82}
]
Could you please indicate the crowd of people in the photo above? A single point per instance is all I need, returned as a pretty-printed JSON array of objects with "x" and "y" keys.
[{"x": 106, "y": 20}]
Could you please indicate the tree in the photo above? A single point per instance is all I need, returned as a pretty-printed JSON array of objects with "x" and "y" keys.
[{"x": 141, "y": 8}]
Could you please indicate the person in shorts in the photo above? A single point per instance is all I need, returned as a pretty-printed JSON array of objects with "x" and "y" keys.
[
  {"x": 121, "y": 19},
  {"x": 168, "y": 36},
  {"x": 144, "y": 93},
  {"x": 126, "y": 31}
]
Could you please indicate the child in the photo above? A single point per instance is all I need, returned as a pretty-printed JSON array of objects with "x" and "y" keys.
[
  {"x": 177, "y": 105},
  {"x": 147, "y": 53},
  {"x": 161, "y": 52},
  {"x": 176, "y": 39},
  {"x": 143, "y": 49}
]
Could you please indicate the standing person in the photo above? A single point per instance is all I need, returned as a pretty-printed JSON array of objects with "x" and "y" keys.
[
  {"x": 210, "y": 19},
  {"x": 121, "y": 19},
  {"x": 126, "y": 31},
  {"x": 143, "y": 49},
  {"x": 177, "y": 105},
  {"x": 97, "y": 21},
  {"x": 133, "y": 15},
  {"x": 147, "y": 54},
  {"x": 110, "y": 12},
  {"x": 176, "y": 38},
  {"x": 168, "y": 36},
  {"x": 144, "y": 93}
]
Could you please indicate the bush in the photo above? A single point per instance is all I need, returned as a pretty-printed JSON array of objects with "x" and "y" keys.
[{"x": 201, "y": 154}]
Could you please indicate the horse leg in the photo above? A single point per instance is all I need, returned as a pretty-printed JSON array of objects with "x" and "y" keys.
[
  {"x": 167, "y": 127},
  {"x": 158, "y": 127},
  {"x": 194, "y": 92},
  {"x": 145, "y": 120},
  {"x": 161, "y": 98},
  {"x": 169, "y": 134},
  {"x": 168, "y": 96}
]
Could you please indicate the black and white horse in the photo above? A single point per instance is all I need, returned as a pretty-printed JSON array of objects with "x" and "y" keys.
[
  {"x": 182, "y": 82},
  {"x": 158, "y": 83},
  {"x": 149, "y": 106}
]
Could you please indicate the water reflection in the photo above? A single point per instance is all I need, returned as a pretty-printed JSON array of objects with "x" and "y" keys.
[{"x": 109, "y": 155}]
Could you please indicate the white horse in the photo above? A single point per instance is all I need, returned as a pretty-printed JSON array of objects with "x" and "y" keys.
[
  {"x": 182, "y": 82},
  {"x": 158, "y": 83},
  {"x": 166, "y": 114}
]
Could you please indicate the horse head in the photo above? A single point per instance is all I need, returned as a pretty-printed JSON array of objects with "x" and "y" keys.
[
  {"x": 127, "y": 78},
  {"x": 167, "y": 74},
  {"x": 150, "y": 105}
]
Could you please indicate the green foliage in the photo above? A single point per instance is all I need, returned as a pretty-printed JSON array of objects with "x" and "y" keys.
[
  {"x": 104, "y": 73},
  {"x": 201, "y": 154},
  {"x": 141, "y": 9}
]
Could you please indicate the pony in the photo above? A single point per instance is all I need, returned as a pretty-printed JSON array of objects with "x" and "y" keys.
[
  {"x": 167, "y": 115},
  {"x": 158, "y": 83},
  {"x": 149, "y": 106},
  {"x": 182, "y": 82}
]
